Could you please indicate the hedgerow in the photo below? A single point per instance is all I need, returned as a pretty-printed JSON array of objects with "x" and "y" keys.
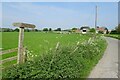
[
  {"x": 117, "y": 36},
  {"x": 64, "y": 62}
]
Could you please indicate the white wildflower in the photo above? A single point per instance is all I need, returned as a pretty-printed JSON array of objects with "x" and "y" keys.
[{"x": 32, "y": 56}]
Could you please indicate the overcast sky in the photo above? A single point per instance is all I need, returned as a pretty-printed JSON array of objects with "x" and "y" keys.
[{"x": 60, "y": 14}]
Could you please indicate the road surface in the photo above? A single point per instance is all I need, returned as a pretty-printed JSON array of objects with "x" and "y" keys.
[{"x": 107, "y": 67}]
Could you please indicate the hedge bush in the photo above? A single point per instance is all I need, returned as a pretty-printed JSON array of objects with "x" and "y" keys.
[{"x": 66, "y": 62}]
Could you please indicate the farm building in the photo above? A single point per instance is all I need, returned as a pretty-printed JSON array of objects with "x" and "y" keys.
[
  {"x": 84, "y": 29},
  {"x": 103, "y": 30},
  {"x": 77, "y": 31}
]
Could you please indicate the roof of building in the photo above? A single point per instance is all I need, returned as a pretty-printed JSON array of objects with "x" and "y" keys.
[
  {"x": 84, "y": 27},
  {"x": 102, "y": 28}
]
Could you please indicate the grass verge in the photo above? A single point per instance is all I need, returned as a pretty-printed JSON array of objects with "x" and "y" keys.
[{"x": 116, "y": 36}]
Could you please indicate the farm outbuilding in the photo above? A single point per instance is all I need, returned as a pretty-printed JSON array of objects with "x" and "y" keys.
[{"x": 77, "y": 31}]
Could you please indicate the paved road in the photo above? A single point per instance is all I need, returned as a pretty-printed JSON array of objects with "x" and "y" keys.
[{"x": 107, "y": 67}]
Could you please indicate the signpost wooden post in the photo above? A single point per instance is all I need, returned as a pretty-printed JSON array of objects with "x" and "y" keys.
[{"x": 21, "y": 26}]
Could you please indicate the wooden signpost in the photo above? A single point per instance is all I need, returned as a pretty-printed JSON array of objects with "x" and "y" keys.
[{"x": 21, "y": 26}]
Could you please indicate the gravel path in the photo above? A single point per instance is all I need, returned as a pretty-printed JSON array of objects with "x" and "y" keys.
[{"x": 107, "y": 67}]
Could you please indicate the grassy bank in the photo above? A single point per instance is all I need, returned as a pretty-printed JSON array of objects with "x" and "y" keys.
[
  {"x": 116, "y": 36},
  {"x": 75, "y": 61}
]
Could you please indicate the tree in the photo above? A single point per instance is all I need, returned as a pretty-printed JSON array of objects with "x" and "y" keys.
[
  {"x": 7, "y": 30},
  {"x": 58, "y": 29},
  {"x": 36, "y": 30},
  {"x": 74, "y": 28},
  {"x": 113, "y": 32},
  {"x": 92, "y": 30},
  {"x": 0, "y": 29},
  {"x": 106, "y": 30},
  {"x": 26, "y": 30},
  {"x": 118, "y": 29},
  {"x": 101, "y": 32},
  {"x": 45, "y": 29},
  {"x": 50, "y": 29},
  {"x": 16, "y": 30}
]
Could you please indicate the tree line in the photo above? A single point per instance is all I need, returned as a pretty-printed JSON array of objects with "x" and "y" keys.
[
  {"x": 28, "y": 30},
  {"x": 115, "y": 31}
]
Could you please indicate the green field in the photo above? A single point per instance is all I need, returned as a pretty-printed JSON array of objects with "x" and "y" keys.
[{"x": 39, "y": 42}]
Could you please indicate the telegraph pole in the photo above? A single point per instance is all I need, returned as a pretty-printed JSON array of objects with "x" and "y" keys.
[
  {"x": 95, "y": 22},
  {"x": 96, "y": 18}
]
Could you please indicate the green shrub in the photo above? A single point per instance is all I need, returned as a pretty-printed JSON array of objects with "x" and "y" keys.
[
  {"x": 101, "y": 32},
  {"x": 65, "y": 62}
]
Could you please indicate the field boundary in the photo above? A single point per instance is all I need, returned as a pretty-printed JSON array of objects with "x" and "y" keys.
[
  {"x": 116, "y": 36},
  {"x": 8, "y": 59},
  {"x": 8, "y": 51}
]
